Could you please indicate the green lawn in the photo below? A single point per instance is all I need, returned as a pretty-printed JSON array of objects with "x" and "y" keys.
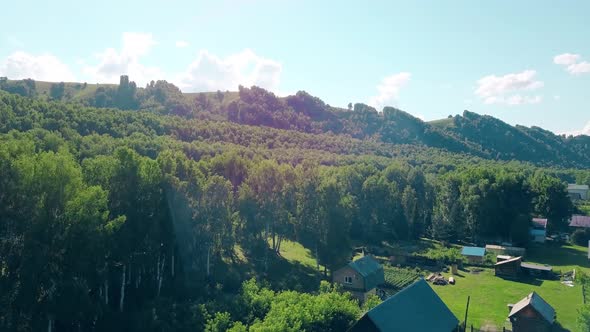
[
  {"x": 294, "y": 252},
  {"x": 490, "y": 294}
]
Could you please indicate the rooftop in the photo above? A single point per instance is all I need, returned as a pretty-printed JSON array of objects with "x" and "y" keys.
[
  {"x": 577, "y": 186},
  {"x": 537, "y": 302},
  {"x": 473, "y": 251},
  {"x": 580, "y": 221},
  {"x": 539, "y": 223},
  {"x": 513, "y": 259},
  {"x": 370, "y": 270},
  {"x": 365, "y": 265},
  {"x": 415, "y": 308},
  {"x": 536, "y": 266}
]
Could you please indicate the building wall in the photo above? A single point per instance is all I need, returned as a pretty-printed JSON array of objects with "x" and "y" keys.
[
  {"x": 528, "y": 320},
  {"x": 538, "y": 238},
  {"x": 583, "y": 193},
  {"x": 508, "y": 270},
  {"x": 357, "y": 284},
  {"x": 474, "y": 259}
]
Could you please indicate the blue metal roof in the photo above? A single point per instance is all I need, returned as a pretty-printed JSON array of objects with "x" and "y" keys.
[{"x": 473, "y": 251}]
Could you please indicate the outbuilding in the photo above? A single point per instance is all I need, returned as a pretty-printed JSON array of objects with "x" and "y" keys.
[
  {"x": 531, "y": 314},
  {"x": 474, "y": 254},
  {"x": 508, "y": 268}
]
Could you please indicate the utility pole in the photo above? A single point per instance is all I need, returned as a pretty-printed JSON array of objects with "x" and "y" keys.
[{"x": 466, "y": 311}]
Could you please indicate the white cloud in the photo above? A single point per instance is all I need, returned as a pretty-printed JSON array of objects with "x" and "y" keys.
[
  {"x": 181, "y": 43},
  {"x": 579, "y": 68},
  {"x": 113, "y": 63},
  {"x": 557, "y": 97},
  {"x": 507, "y": 89},
  {"x": 45, "y": 67},
  {"x": 572, "y": 63},
  {"x": 209, "y": 72},
  {"x": 583, "y": 131},
  {"x": 566, "y": 59},
  {"x": 388, "y": 90}
]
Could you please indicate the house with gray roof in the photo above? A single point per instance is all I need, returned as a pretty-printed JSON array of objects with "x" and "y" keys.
[
  {"x": 360, "y": 277},
  {"x": 578, "y": 191},
  {"x": 531, "y": 314},
  {"x": 415, "y": 308}
]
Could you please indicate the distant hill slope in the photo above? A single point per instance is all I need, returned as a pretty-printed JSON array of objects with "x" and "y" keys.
[{"x": 478, "y": 135}]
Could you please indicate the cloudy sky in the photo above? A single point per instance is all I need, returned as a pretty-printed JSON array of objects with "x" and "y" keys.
[{"x": 526, "y": 62}]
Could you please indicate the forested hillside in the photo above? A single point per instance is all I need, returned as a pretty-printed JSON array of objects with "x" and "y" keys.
[
  {"x": 146, "y": 210},
  {"x": 481, "y": 136}
]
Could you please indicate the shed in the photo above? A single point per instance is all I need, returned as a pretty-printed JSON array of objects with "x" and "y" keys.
[
  {"x": 536, "y": 270},
  {"x": 508, "y": 268},
  {"x": 474, "y": 254},
  {"x": 360, "y": 277},
  {"x": 578, "y": 221},
  {"x": 415, "y": 308},
  {"x": 578, "y": 191},
  {"x": 532, "y": 313}
]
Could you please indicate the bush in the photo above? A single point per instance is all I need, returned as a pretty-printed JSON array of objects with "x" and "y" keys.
[{"x": 581, "y": 237}]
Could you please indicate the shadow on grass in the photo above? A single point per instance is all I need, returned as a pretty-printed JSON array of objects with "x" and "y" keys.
[
  {"x": 558, "y": 328},
  {"x": 524, "y": 280},
  {"x": 557, "y": 255}
]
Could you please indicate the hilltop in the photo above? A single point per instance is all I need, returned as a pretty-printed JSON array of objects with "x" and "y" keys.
[{"x": 481, "y": 136}]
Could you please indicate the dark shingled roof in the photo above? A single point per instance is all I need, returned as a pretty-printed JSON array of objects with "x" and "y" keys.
[
  {"x": 537, "y": 302},
  {"x": 370, "y": 270},
  {"x": 414, "y": 308}
]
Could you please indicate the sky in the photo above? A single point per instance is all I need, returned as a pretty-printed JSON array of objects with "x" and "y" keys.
[{"x": 525, "y": 62}]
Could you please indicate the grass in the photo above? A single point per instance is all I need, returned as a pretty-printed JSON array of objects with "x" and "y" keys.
[
  {"x": 490, "y": 294},
  {"x": 295, "y": 252},
  {"x": 565, "y": 258},
  {"x": 442, "y": 123}
]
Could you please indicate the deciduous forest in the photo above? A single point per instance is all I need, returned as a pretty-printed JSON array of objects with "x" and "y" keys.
[{"x": 146, "y": 209}]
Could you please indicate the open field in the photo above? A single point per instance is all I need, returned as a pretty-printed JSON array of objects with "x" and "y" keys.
[{"x": 490, "y": 294}]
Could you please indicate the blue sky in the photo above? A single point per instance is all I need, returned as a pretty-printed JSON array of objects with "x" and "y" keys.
[{"x": 526, "y": 62}]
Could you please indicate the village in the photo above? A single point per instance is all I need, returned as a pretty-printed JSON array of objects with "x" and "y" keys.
[{"x": 493, "y": 287}]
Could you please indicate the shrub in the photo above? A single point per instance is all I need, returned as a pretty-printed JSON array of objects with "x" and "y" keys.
[{"x": 581, "y": 237}]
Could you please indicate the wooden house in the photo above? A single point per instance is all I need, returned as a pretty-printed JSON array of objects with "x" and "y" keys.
[
  {"x": 474, "y": 254},
  {"x": 508, "y": 268},
  {"x": 531, "y": 314},
  {"x": 360, "y": 277},
  {"x": 578, "y": 191},
  {"x": 414, "y": 308}
]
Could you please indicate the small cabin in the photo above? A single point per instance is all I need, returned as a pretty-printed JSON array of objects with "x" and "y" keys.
[
  {"x": 508, "y": 267},
  {"x": 474, "y": 255},
  {"x": 360, "y": 277},
  {"x": 536, "y": 270},
  {"x": 531, "y": 314},
  {"x": 578, "y": 191}
]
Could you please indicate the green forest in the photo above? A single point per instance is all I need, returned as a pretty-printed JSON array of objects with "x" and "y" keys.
[{"x": 145, "y": 209}]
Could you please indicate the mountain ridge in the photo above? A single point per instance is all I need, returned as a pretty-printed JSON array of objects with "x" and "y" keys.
[{"x": 470, "y": 133}]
